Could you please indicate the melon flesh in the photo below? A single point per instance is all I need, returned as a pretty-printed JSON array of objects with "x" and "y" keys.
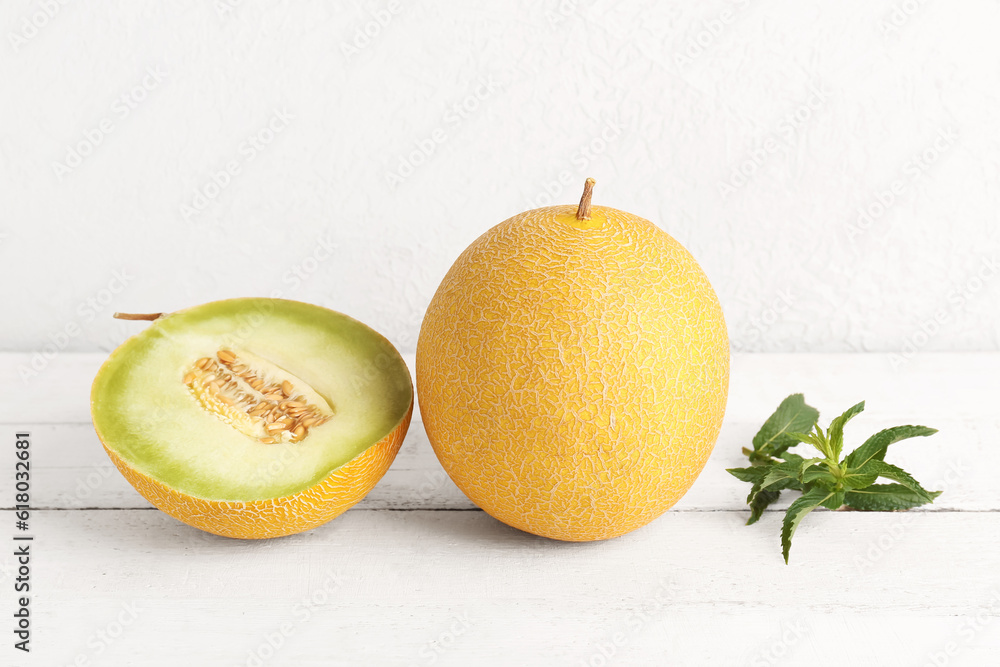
[{"x": 147, "y": 416}]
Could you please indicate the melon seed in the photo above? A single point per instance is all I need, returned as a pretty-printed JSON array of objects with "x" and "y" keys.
[{"x": 252, "y": 400}]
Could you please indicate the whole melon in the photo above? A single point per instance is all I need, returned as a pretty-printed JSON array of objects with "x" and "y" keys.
[{"x": 572, "y": 371}]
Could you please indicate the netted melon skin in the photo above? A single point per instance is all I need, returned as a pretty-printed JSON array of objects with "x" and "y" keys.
[
  {"x": 573, "y": 380},
  {"x": 275, "y": 517}
]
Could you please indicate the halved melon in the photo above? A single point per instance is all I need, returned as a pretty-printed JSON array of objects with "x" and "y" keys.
[{"x": 253, "y": 418}]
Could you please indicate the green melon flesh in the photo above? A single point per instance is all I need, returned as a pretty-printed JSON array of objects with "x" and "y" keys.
[{"x": 145, "y": 413}]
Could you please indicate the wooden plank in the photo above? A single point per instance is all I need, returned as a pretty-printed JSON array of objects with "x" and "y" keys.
[
  {"x": 47, "y": 391},
  {"x": 953, "y": 392},
  {"x": 458, "y": 588},
  {"x": 486, "y": 632},
  {"x": 72, "y": 470}
]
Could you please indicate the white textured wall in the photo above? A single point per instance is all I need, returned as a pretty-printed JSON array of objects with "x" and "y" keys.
[{"x": 831, "y": 106}]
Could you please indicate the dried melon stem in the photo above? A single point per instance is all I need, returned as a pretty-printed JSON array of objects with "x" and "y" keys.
[
  {"x": 583, "y": 210},
  {"x": 256, "y": 397},
  {"x": 138, "y": 317}
]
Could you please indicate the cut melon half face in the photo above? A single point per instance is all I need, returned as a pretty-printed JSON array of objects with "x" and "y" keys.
[{"x": 253, "y": 418}]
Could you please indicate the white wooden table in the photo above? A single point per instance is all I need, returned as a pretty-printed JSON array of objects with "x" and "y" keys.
[{"x": 415, "y": 575}]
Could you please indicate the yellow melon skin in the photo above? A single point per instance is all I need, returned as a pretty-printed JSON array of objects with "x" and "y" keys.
[
  {"x": 572, "y": 375},
  {"x": 275, "y": 517}
]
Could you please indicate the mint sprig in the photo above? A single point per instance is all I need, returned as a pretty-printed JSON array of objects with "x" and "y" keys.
[{"x": 825, "y": 481}]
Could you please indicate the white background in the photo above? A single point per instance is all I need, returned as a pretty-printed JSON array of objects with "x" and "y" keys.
[
  {"x": 825, "y": 105},
  {"x": 754, "y": 132}
]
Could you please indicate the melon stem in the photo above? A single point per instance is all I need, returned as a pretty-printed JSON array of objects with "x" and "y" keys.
[
  {"x": 145, "y": 317},
  {"x": 583, "y": 210}
]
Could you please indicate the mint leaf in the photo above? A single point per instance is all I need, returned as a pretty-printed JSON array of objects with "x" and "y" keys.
[
  {"x": 855, "y": 479},
  {"x": 753, "y": 474},
  {"x": 828, "y": 481},
  {"x": 817, "y": 439},
  {"x": 792, "y": 415},
  {"x": 788, "y": 456},
  {"x": 760, "y": 500},
  {"x": 835, "y": 500},
  {"x": 797, "y": 511},
  {"x": 889, "y": 471},
  {"x": 779, "y": 472},
  {"x": 885, "y": 498},
  {"x": 836, "y": 432},
  {"x": 819, "y": 474},
  {"x": 875, "y": 447}
]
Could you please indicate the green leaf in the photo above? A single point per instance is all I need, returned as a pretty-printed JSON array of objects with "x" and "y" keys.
[
  {"x": 835, "y": 501},
  {"x": 886, "y": 498},
  {"x": 758, "y": 499},
  {"x": 819, "y": 474},
  {"x": 806, "y": 503},
  {"x": 889, "y": 471},
  {"x": 874, "y": 448},
  {"x": 836, "y": 431},
  {"x": 762, "y": 498},
  {"x": 855, "y": 479},
  {"x": 816, "y": 439},
  {"x": 760, "y": 503},
  {"x": 780, "y": 472},
  {"x": 825, "y": 482},
  {"x": 753, "y": 474},
  {"x": 793, "y": 414}
]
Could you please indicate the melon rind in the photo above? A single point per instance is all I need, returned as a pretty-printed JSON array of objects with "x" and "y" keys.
[
  {"x": 573, "y": 378},
  {"x": 329, "y": 494},
  {"x": 275, "y": 517}
]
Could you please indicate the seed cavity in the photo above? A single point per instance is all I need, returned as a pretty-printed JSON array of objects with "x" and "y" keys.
[{"x": 256, "y": 397}]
